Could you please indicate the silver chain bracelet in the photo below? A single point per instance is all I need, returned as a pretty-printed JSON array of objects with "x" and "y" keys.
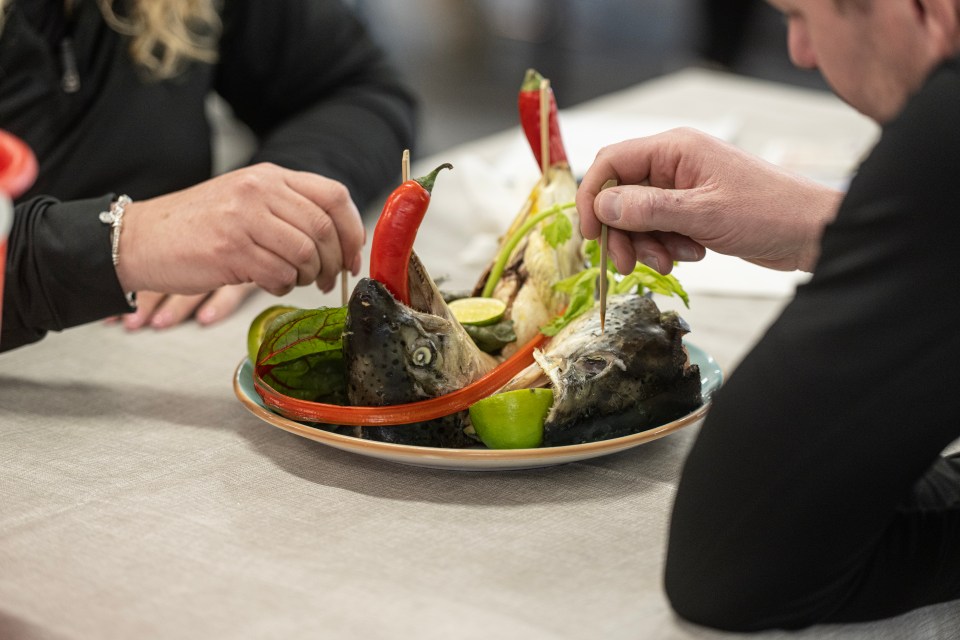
[{"x": 114, "y": 217}]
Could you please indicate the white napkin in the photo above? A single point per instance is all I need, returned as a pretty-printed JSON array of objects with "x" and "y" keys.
[{"x": 476, "y": 202}]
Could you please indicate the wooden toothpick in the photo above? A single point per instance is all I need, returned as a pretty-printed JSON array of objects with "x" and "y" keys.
[
  {"x": 603, "y": 265},
  {"x": 544, "y": 127}
]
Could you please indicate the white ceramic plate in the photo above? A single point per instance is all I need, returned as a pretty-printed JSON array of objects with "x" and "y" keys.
[{"x": 480, "y": 459}]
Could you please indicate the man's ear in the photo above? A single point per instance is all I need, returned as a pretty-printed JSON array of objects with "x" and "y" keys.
[{"x": 941, "y": 19}]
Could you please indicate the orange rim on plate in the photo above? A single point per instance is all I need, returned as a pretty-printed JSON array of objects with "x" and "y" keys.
[{"x": 18, "y": 165}]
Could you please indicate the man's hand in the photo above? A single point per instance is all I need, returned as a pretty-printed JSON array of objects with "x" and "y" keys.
[{"x": 683, "y": 191}]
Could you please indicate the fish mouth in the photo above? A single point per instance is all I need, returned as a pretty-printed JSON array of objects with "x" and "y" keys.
[
  {"x": 376, "y": 341},
  {"x": 635, "y": 376},
  {"x": 378, "y": 323},
  {"x": 395, "y": 353}
]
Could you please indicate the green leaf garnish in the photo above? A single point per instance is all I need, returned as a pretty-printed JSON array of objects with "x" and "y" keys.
[
  {"x": 501, "y": 262},
  {"x": 302, "y": 355},
  {"x": 558, "y": 231},
  {"x": 582, "y": 287}
]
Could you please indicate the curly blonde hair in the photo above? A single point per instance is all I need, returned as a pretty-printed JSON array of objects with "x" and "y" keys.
[{"x": 165, "y": 35}]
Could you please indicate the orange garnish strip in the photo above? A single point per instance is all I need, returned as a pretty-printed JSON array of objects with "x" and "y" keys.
[{"x": 399, "y": 414}]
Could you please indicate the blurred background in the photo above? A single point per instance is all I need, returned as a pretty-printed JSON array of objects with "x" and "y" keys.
[{"x": 466, "y": 58}]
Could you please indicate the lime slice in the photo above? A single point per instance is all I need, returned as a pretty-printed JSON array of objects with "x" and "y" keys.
[
  {"x": 258, "y": 328},
  {"x": 513, "y": 419},
  {"x": 478, "y": 311}
]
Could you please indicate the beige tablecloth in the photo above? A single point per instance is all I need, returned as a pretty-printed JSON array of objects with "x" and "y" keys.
[{"x": 139, "y": 499}]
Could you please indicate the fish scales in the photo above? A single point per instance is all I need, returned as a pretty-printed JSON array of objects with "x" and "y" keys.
[
  {"x": 629, "y": 378},
  {"x": 396, "y": 354}
]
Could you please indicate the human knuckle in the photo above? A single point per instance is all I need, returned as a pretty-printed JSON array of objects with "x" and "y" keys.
[
  {"x": 283, "y": 278},
  {"x": 323, "y": 226},
  {"x": 338, "y": 195},
  {"x": 304, "y": 252},
  {"x": 640, "y": 202},
  {"x": 250, "y": 184}
]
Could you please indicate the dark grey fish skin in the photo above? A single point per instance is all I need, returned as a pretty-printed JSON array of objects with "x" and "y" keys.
[
  {"x": 632, "y": 377},
  {"x": 395, "y": 354}
]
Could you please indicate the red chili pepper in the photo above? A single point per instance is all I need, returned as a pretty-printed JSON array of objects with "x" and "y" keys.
[
  {"x": 399, "y": 414},
  {"x": 397, "y": 229},
  {"x": 528, "y": 104}
]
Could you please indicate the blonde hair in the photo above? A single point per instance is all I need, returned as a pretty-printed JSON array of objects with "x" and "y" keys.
[{"x": 165, "y": 35}]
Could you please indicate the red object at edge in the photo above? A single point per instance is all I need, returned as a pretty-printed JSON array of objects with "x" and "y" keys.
[
  {"x": 18, "y": 165},
  {"x": 528, "y": 104}
]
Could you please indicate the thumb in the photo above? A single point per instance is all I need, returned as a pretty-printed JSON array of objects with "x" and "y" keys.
[{"x": 642, "y": 208}]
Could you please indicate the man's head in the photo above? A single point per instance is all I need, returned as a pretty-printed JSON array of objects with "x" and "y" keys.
[{"x": 873, "y": 53}]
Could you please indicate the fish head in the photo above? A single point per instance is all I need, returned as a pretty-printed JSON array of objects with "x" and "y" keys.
[
  {"x": 630, "y": 376},
  {"x": 577, "y": 377},
  {"x": 396, "y": 354}
]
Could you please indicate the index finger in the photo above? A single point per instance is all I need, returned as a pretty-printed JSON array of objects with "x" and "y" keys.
[
  {"x": 334, "y": 199},
  {"x": 628, "y": 162},
  {"x": 596, "y": 176}
]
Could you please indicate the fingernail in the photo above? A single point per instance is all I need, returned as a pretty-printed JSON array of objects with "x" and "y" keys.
[
  {"x": 161, "y": 320},
  {"x": 207, "y": 315},
  {"x": 616, "y": 263},
  {"x": 132, "y": 321},
  {"x": 610, "y": 206},
  {"x": 357, "y": 263},
  {"x": 684, "y": 253},
  {"x": 652, "y": 261}
]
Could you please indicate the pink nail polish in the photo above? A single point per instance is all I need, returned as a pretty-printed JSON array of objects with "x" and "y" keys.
[{"x": 207, "y": 315}]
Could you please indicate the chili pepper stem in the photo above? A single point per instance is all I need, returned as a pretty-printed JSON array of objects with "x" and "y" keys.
[{"x": 427, "y": 181}]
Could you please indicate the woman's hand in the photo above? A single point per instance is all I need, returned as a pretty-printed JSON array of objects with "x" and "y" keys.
[
  {"x": 161, "y": 311},
  {"x": 265, "y": 225},
  {"x": 683, "y": 191}
]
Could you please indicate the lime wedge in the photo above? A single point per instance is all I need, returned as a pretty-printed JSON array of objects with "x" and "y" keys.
[
  {"x": 478, "y": 311},
  {"x": 258, "y": 328},
  {"x": 513, "y": 419}
]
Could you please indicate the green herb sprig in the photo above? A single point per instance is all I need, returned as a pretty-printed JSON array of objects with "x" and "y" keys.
[{"x": 582, "y": 286}]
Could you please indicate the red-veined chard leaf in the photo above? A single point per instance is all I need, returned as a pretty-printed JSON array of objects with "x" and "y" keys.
[{"x": 302, "y": 355}]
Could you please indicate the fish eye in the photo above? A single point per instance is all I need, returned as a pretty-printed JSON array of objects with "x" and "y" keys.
[
  {"x": 422, "y": 356},
  {"x": 593, "y": 364}
]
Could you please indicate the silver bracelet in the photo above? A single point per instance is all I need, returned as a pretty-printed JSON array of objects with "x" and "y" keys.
[{"x": 114, "y": 218}]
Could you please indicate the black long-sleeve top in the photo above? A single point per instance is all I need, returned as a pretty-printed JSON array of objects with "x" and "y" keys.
[
  {"x": 816, "y": 490},
  {"x": 302, "y": 74}
]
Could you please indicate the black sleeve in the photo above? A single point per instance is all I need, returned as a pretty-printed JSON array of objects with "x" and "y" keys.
[
  {"x": 60, "y": 272},
  {"x": 319, "y": 94},
  {"x": 816, "y": 491}
]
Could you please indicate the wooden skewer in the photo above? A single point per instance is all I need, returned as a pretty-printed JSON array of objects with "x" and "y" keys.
[
  {"x": 344, "y": 274},
  {"x": 544, "y": 128},
  {"x": 603, "y": 265}
]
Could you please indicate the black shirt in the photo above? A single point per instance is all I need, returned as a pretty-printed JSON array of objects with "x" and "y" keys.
[
  {"x": 302, "y": 74},
  {"x": 816, "y": 490}
]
